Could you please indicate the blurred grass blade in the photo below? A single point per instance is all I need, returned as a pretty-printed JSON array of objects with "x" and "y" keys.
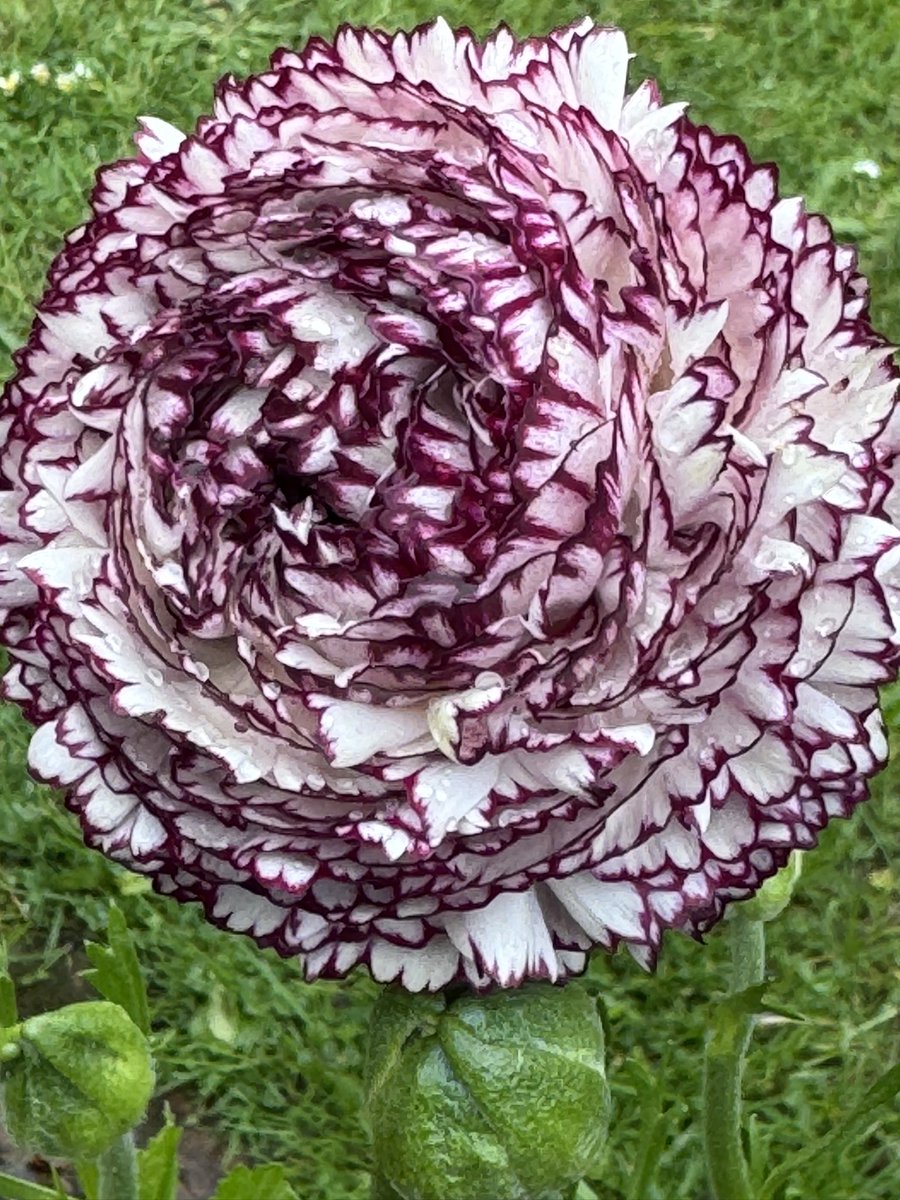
[
  {"x": 116, "y": 973},
  {"x": 653, "y": 1141},
  {"x": 8, "y": 1011},
  {"x": 653, "y": 1129},
  {"x": 881, "y": 1092}
]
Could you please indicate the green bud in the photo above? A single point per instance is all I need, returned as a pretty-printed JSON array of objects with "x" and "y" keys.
[
  {"x": 775, "y": 894},
  {"x": 81, "y": 1077},
  {"x": 496, "y": 1097}
]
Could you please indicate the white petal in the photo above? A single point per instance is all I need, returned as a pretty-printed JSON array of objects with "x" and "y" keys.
[
  {"x": 602, "y": 908},
  {"x": 509, "y": 935},
  {"x": 355, "y": 732}
]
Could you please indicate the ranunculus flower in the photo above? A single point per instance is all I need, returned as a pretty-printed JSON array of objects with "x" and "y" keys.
[{"x": 447, "y": 512}]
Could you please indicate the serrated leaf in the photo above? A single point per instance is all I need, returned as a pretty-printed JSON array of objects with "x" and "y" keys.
[
  {"x": 243, "y": 1182},
  {"x": 116, "y": 973},
  {"x": 158, "y": 1164}
]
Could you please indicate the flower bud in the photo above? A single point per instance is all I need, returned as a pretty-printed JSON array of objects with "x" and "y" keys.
[
  {"x": 75, "y": 1079},
  {"x": 495, "y": 1097},
  {"x": 775, "y": 894}
]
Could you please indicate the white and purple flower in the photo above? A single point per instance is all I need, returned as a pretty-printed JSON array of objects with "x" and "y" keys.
[{"x": 448, "y": 511}]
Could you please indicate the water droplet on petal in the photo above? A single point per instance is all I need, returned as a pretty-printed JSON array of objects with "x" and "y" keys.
[{"x": 155, "y": 676}]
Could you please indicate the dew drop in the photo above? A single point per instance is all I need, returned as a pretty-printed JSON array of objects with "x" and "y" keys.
[
  {"x": 201, "y": 670},
  {"x": 155, "y": 676},
  {"x": 115, "y": 643}
]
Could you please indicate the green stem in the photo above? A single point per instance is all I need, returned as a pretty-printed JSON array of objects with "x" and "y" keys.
[
  {"x": 723, "y": 1075},
  {"x": 13, "y": 1188},
  {"x": 118, "y": 1173}
]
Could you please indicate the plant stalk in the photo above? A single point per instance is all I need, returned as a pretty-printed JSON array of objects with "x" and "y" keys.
[
  {"x": 726, "y": 1049},
  {"x": 118, "y": 1173}
]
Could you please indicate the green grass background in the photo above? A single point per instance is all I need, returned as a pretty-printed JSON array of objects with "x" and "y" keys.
[{"x": 270, "y": 1063}]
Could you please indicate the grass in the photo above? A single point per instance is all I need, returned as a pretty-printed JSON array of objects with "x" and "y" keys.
[{"x": 270, "y": 1063}]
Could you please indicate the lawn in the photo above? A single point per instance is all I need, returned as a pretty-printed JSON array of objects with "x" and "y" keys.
[{"x": 268, "y": 1066}]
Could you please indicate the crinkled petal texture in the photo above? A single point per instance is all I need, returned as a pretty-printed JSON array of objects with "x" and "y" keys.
[{"x": 448, "y": 511}]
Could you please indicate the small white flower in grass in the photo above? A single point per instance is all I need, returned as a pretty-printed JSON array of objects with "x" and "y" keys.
[
  {"x": 65, "y": 81},
  {"x": 9, "y": 83},
  {"x": 868, "y": 167},
  {"x": 40, "y": 73},
  {"x": 80, "y": 71}
]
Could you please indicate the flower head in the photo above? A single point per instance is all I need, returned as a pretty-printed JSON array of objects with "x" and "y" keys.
[{"x": 449, "y": 511}]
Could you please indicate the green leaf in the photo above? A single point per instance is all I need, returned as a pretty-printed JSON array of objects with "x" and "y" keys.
[
  {"x": 13, "y": 1188},
  {"x": 88, "y": 1177},
  {"x": 757, "y": 1151},
  {"x": 584, "y": 1191},
  {"x": 8, "y": 1012},
  {"x": 116, "y": 973},
  {"x": 8, "y": 339},
  {"x": 636, "y": 1075},
  {"x": 881, "y": 1092},
  {"x": 242, "y": 1182},
  {"x": 158, "y": 1164},
  {"x": 753, "y": 1000},
  {"x": 652, "y": 1143}
]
